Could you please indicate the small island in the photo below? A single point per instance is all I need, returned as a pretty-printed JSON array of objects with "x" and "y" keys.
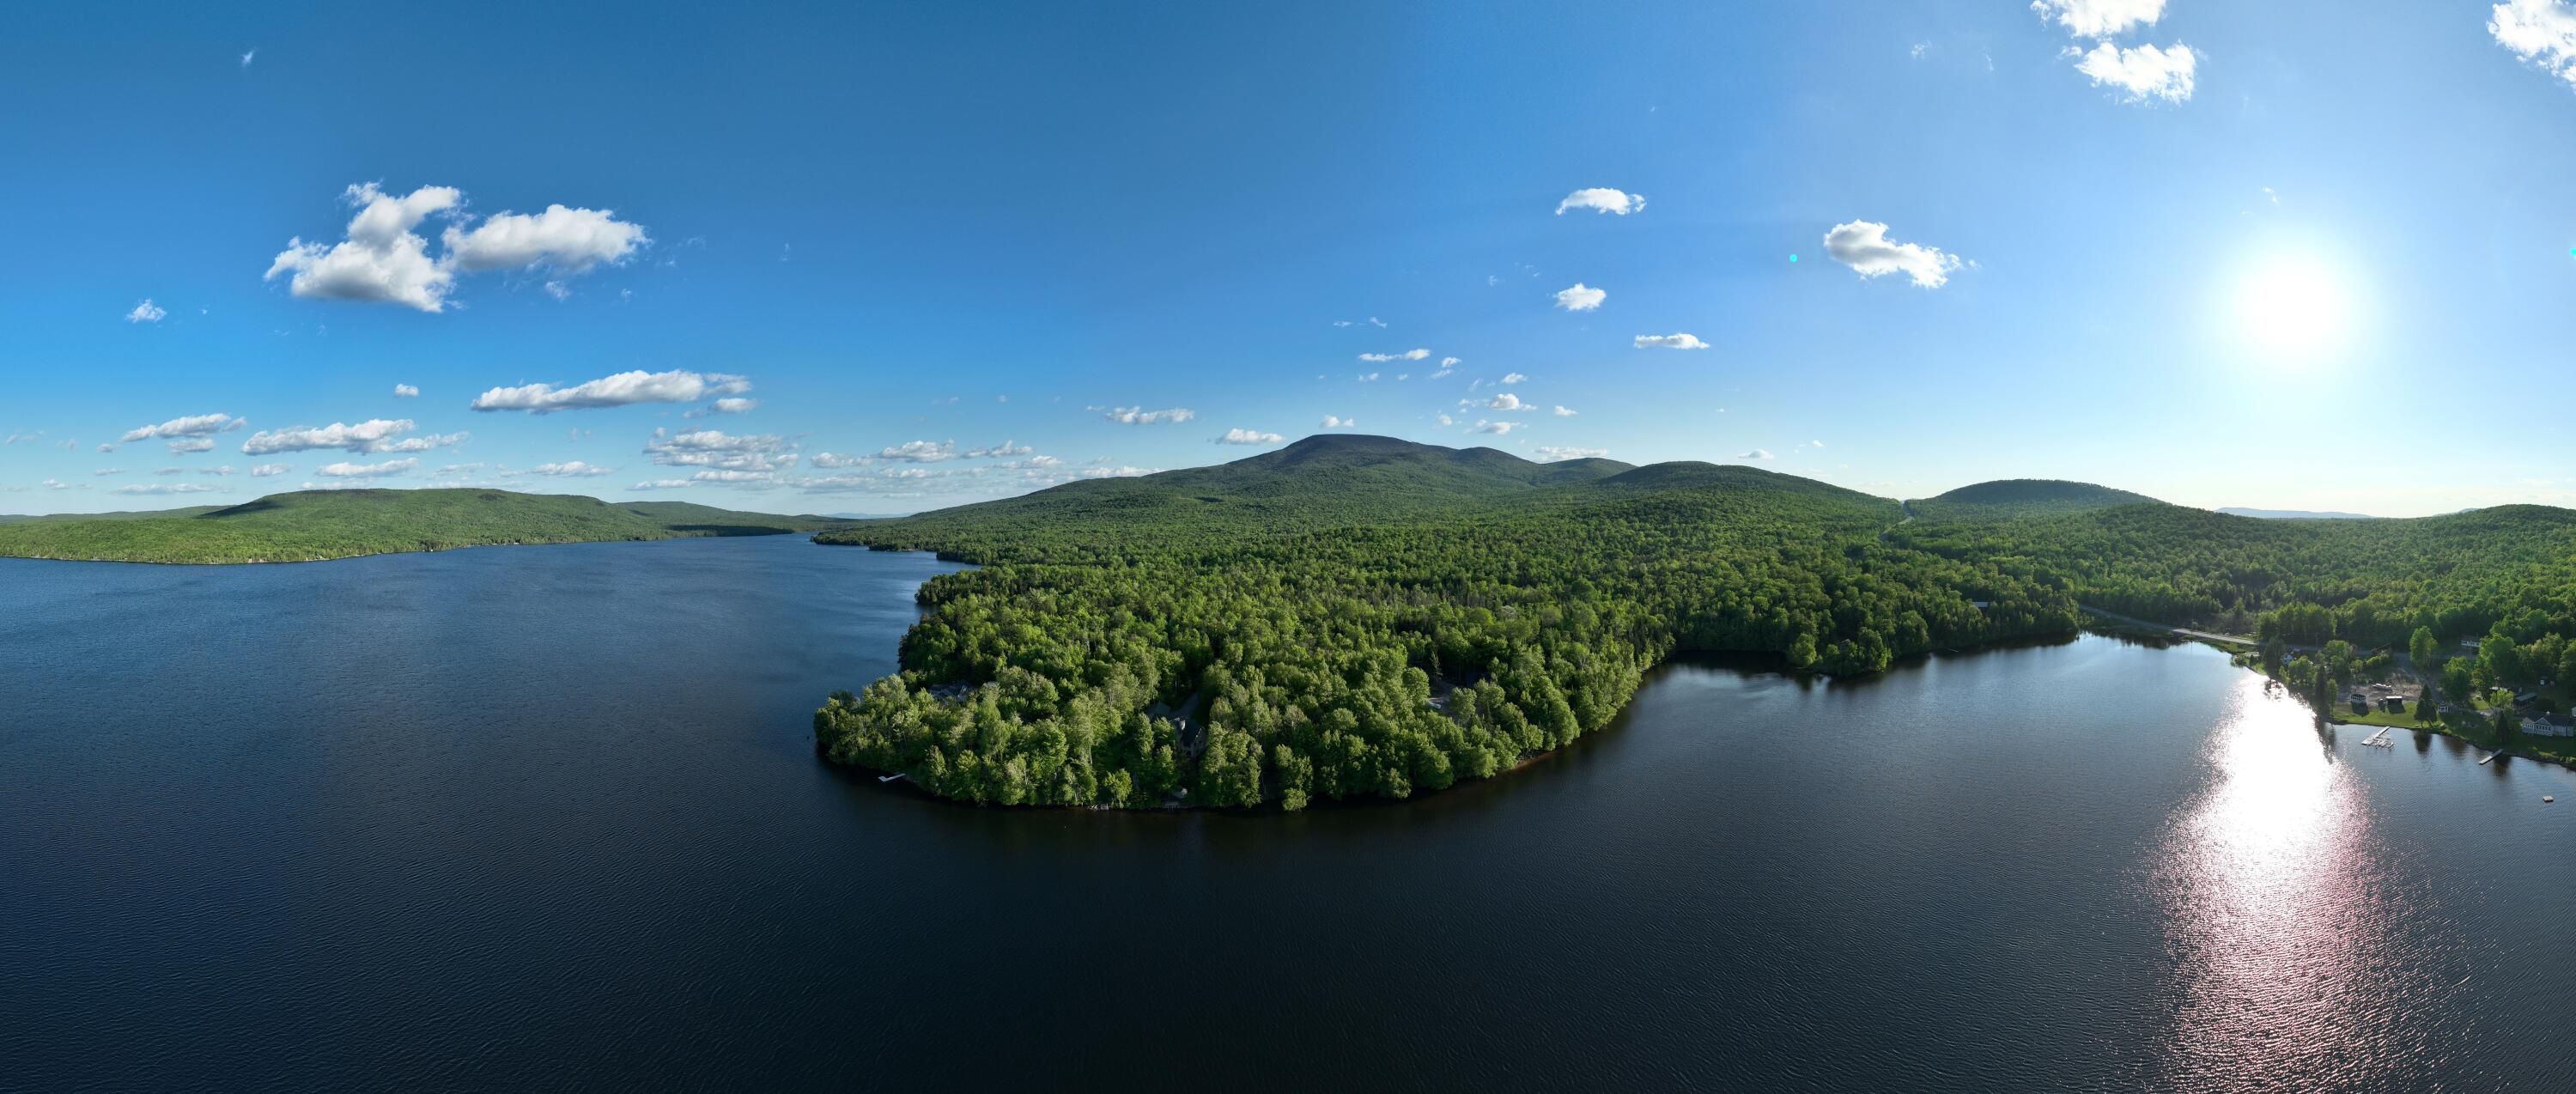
[{"x": 317, "y": 525}]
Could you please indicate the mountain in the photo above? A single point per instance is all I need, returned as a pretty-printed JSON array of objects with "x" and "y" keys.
[
  {"x": 1341, "y": 475},
  {"x": 189, "y": 511},
  {"x": 321, "y": 524},
  {"x": 2010, "y": 499},
  {"x": 2291, "y": 514}
]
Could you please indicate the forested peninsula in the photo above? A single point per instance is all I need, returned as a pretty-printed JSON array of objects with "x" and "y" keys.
[
  {"x": 1356, "y": 616},
  {"x": 315, "y": 525}
]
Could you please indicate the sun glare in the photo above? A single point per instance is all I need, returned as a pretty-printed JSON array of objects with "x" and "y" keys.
[{"x": 2294, "y": 309}]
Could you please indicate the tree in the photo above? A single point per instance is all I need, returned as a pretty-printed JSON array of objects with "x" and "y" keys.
[
  {"x": 2423, "y": 648},
  {"x": 2276, "y": 649}
]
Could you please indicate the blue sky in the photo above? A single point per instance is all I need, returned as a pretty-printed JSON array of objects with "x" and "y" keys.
[{"x": 2332, "y": 264}]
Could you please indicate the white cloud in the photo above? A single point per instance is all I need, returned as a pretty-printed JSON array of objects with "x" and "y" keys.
[
  {"x": 186, "y": 445},
  {"x": 247, "y": 55},
  {"x": 920, "y": 452},
  {"x": 1498, "y": 427},
  {"x": 557, "y": 289},
  {"x": 1133, "y": 415},
  {"x": 2099, "y": 18},
  {"x": 372, "y": 435},
  {"x": 660, "y": 484},
  {"x": 427, "y": 443},
  {"x": 1565, "y": 412},
  {"x": 829, "y": 461},
  {"x": 1510, "y": 378},
  {"x": 1550, "y": 453},
  {"x": 570, "y": 469},
  {"x": 2542, "y": 32},
  {"x": 1602, "y": 200},
  {"x": 105, "y": 471},
  {"x": 1004, "y": 450},
  {"x": 1371, "y": 320},
  {"x": 218, "y": 472},
  {"x": 1863, "y": 246},
  {"x": 1670, "y": 341},
  {"x": 1367, "y": 377},
  {"x": 406, "y": 391},
  {"x": 106, "y": 448},
  {"x": 1507, "y": 401},
  {"x": 2142, "y": 72},
  {"x": 1581, "y": 297},
  {"x": 1756, "y": 454},
  {"x": 146, "y": 312},
  {"x": 53, "y": 484},
  {"x": 724, "y": 406},
  {"x": 1408, "y": 355},
  {"x": 1249, "y": 436},
  {"x": 382, "y": 260},
  {"x": 569, "y": 240},
  {"x": 267, "y": 469},
  {"x": 170, "y": 488},
  {"x": 194, "y": 425},
  {"x": 759, "y": 454},
  {"x": 1332, "y": 422},
  {"x": 345, "y": 470},
  {"x": 1115, "y": 472},
  {"x": 622, "y": 389}
]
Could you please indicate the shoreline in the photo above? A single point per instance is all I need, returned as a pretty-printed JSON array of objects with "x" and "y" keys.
[
  {"x": 2132, "y": 628},
  {"x": 399, "y": 551}
]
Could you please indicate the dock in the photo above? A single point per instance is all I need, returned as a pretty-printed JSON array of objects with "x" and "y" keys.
[
  {"x": 889, "y": 778},
  {"x": 2379, "y": 739}
]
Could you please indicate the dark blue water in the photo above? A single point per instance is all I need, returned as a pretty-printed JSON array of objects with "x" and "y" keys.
[{"x": 549, "y": 816}]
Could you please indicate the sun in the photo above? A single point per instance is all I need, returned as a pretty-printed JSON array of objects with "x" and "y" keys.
[{"x": 2294, "y": 309}]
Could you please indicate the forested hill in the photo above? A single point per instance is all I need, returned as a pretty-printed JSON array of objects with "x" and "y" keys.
[
  {"x": 2006, "y": 499},
  {"x": 1354, "y": 616},
  {"x": 2507, "y": 572},
  {"x": 323, "y": 524}
]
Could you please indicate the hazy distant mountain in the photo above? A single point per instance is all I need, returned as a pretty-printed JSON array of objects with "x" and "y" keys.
[
  {"x": 2292, "y": 514},
  {"x": 319, "y": 524}
]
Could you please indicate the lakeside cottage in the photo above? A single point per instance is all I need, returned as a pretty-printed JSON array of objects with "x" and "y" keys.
[{"x": 2550, "y": 725}]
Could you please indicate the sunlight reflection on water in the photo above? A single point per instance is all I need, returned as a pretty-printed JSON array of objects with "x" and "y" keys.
[{"x": 2286, "y": 938}]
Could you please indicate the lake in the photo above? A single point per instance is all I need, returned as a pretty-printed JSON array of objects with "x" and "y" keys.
[{"x": 551, "y": 816}]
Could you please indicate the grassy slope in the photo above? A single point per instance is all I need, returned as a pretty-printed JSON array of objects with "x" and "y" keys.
[{"x": 323, "y": 524}]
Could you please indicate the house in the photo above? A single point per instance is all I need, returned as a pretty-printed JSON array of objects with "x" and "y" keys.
[
  {"x": 2550, "y": 725},
  {"x": 2393, "y": 704}
]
